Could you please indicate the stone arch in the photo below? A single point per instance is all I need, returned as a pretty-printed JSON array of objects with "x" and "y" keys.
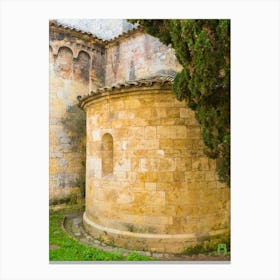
[
  {"x": 83, "y": 51},
  {"x": 81, "y": 67},
  {"x": 63, "y": 48},
  {"x": 107, "y": 154},
  {"x": 64, "y": 63}
]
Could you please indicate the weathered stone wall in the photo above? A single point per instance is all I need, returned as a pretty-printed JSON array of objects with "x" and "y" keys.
[
  {"x": 138, "y": 56},
  {"x": 76, "y": 65},
  {"x": 80, "y": 63},
  {"x": 148, "y": 183},
  {"x": 162, "y": 193}
]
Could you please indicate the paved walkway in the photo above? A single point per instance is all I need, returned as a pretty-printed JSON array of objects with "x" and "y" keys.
[{"x": 74, "y": 226}]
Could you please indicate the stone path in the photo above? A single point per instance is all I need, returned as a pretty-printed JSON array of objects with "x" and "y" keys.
[
  {"x": 74, "y": 227},
  {"x": 54, "y": 246}
]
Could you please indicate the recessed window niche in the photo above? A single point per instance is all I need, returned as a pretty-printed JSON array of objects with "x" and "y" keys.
[{"x": 107, "y": 154}]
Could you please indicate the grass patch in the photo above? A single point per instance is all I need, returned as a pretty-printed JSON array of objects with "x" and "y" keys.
[
  {"x": 133, "y": 256},
  {"x": 72, "y": 250}
]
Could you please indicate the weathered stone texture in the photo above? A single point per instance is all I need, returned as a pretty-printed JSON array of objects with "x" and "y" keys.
[
  {"x": 161, "y": 179},
  {"x": 149, "y": 185},
  {"x": 69, "y": 76},
  {"x": 138, "y": 56}
]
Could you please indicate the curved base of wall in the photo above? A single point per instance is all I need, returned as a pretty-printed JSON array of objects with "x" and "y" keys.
[{"x": 162, "y": 243}]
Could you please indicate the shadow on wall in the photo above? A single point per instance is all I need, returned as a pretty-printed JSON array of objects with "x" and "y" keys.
[{"x": 74, "y": 123}]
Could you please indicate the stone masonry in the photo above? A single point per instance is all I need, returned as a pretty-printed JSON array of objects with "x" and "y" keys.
[
  {"x": 161, "y": 192},
  {"x": 70, "y": 75},
  {"x": 79, "y": 63},
  {"x": 149, "y": 185}
]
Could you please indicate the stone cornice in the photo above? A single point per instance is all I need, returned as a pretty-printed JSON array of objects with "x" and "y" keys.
[{"x": 147, "y": 84}]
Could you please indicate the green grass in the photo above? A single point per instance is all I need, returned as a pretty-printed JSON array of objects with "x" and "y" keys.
[
  {"x": 133, "y": 256},
  {"x": 72, "y": 250}
]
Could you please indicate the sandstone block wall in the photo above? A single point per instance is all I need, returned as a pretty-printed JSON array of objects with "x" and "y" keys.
[{"x": 162, "y": 193}]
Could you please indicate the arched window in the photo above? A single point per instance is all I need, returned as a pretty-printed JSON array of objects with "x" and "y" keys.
[
  {"x": 81, "y": 67},
  {"x": 107, "y": 154},
  {"x": 64, "y": 61}
]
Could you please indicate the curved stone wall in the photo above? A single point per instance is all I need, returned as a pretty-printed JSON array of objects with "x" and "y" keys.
[{"x": 148, "y": 184}]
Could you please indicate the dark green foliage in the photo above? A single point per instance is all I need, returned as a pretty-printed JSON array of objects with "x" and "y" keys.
[{"x": 203, "y": 49}]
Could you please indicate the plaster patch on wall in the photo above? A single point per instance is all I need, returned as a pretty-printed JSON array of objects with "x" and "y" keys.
[{"x": 96, "y": 135}]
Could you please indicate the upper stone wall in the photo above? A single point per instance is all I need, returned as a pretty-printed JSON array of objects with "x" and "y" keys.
[
  {"x": 78, "y": 42},
  {"x": 138, "y": 56},
  {"x": 129, "y": 55}
]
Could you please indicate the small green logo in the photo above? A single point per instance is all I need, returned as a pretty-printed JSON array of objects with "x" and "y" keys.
[{"x": 222, "y": 246}]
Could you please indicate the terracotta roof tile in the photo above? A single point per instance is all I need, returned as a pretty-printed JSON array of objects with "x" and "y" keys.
[
  {"x": 146, "y": 82},
  {"x": 55, "y": 23},
  {"x": 125, "y": 34},
  {"x": 122, "y": 35}
]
